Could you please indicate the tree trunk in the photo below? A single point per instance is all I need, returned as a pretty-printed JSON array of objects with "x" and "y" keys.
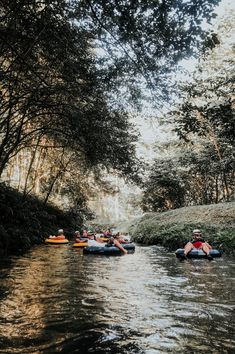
[{"x": 30, "y": 166}]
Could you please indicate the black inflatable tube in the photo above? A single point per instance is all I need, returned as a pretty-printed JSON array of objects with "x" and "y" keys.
[
  {"x": 195, "y": 253},
  {"x": 108, "y": 250}
]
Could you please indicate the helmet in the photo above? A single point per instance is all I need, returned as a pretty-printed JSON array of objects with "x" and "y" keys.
[{"x": 196, "y": 231}]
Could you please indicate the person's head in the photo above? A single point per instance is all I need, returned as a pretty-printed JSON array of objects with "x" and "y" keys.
[
  {"x": 77, "y": 233},
  {"x": 90, "y": 236},
  {"x": 197, "y": 233},
  {"x": 60, "y": 232}
]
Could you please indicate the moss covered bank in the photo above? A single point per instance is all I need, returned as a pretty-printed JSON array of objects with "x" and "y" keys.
[
  {"x": 172, "y": 229},
  {"x": 25, "y": 222}
]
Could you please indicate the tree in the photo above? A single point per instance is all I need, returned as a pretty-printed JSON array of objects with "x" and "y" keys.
[
  {"x": 50, "y": 88},
  {"x": 207, "y": 118},
  {"x": 142, "y": 41},
  {"x": 205, "y": 125},
  {"x": 59, "y": 92},
  {"x": 203, "y": 175},
  {"x": 164, "y": 188}
]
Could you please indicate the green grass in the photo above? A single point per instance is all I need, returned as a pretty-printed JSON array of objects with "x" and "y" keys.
[{"x": 173, "y": 229}]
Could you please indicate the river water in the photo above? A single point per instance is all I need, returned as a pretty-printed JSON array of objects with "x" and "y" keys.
[{"x": 55, "y": 300}]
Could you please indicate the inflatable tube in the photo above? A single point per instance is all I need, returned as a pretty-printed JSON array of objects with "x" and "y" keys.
[
  {"x": 52, "y": 241},
  {"x": 195, "y": 253},
  {"x": 80, "y": 244},
  {"x": 108, "y": 250},
  {"x": 105, "y": 239}
]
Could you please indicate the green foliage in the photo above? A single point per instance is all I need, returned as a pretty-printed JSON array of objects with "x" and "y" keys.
[
  {"x": 24, "y": 223},
  {"x": 66, "y": 70},
  {"x": 206, "y": 122},
  {"x": 172, "y": 229},
  {"x": 202, "y": 170},
  {"x": 163, "y": 189},
  {"x": 144, "y": 39},
  {"x": 207, "y": 179},
  {"x": 170, "y": 236},
  {"x": 51, "y": 88},
  {"x": 223, "y": 239},
  {"x": 176, "y": 235}
]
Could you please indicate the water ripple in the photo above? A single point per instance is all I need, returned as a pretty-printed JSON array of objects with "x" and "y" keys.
[{"x": 55, "y": 300}]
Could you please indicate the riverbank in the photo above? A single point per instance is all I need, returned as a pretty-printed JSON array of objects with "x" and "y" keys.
[
  {"x": 26, "y": 221},
  {"x": 172, "y": 229}
]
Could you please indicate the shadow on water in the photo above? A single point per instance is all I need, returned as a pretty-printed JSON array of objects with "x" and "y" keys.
[{"x": 55, "y": 300}]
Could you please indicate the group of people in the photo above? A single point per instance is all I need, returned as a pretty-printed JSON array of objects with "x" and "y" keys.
[
  {"x": 94, "y": 240},
  {"x": 116, "y": 240}
]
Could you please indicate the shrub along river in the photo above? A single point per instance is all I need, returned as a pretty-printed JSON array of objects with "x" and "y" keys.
[{"x": 55, "y": 300}]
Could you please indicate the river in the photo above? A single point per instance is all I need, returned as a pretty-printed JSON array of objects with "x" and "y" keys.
[{"x": 54, "y": 299}]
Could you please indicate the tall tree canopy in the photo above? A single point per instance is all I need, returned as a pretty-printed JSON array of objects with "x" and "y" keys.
[
  {"x": 68, "y": 67},
  {"x": 142, "y": 41},
  {"x": 204, "y": 163},
  {"x": 50, "y": 87}
]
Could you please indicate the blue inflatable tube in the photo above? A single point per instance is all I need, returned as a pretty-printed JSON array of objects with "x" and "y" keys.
[
  {"x": 195, "y": 253},
  {"x": 109, "y": 250}
]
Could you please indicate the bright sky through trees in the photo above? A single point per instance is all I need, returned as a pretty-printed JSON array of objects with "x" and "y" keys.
[{"x": 148, "y": 121}]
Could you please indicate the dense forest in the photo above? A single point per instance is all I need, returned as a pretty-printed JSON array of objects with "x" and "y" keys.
[
  {"x": 197, "y": 165},
  {"x": 71, "y": 72}
]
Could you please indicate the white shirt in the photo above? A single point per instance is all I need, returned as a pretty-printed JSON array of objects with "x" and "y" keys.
[{"x": 95, "y": 243}]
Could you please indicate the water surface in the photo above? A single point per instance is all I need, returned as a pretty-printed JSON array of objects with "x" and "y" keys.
[{"x": 55, "y": 300}]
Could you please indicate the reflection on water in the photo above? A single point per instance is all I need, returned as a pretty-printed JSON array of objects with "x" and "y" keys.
[{"x": 55, "y": 300}]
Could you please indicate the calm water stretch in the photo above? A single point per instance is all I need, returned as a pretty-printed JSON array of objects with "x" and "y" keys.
[{"x": 55, "y": 300}]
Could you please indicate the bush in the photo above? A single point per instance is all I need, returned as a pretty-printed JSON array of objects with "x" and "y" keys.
[
  {"x": 25, "y": 222},
  {"x": 176, "y": 235}
]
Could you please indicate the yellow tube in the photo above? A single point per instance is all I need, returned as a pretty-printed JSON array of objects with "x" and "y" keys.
[
  {"x": 56, "y": 242},
  {"x": 80, "y": 244},
  {"x": 105, "y": 239}
]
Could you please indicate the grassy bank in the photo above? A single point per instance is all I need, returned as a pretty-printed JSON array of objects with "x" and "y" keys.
[
  {"x": 172, "y": 229},
  {"x": 26, "y": 222}
]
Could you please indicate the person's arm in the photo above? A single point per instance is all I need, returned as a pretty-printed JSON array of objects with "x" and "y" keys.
[
  {"x": 117, "y": 244},
  {"x": 208, "y": 245},
  {"x": 124, "y": 241},
  {"x": 98, "y": 239}
]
